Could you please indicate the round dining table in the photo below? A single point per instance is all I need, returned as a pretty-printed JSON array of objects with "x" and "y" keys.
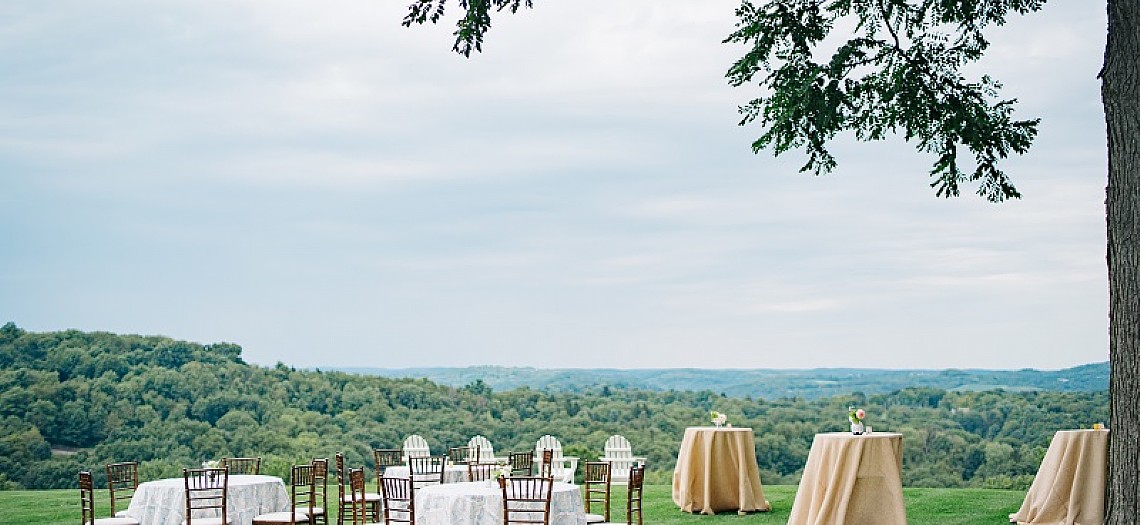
[
  {"x": 481, "y": 503},
  {"x": 716, "y": 471},
  {"x": 851, "y": 479},
  {"x": 163, "y": 502},
  {"x": 1069, "y": 485}
]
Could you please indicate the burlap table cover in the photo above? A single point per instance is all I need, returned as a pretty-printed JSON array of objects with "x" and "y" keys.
[
  {"x": 1069, "y": 486},
  {"x": 851, "y": 480},
  {"x": 716, "y": 472}
]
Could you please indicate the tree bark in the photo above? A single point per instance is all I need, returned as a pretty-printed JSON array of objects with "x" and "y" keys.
[{"x": 1120, "y": 92}]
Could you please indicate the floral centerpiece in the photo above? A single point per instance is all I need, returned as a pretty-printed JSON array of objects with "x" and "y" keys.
[
  {"x": 213, "y": 463},
  {"x": 718, "y": 419},
  {"x": 503, "y": 472},
  {"x": 856, "y": 415}
]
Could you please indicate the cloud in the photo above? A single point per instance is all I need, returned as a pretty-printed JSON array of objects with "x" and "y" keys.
[{"x": 317, "y": 183}]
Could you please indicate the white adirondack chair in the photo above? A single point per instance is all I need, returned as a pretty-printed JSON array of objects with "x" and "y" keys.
[
  {"x": 619, "y": 454},
  {"x": 486, "y": 451},
  {"x": 562, "y": 467},
  {"x": 416, "y": 445}
]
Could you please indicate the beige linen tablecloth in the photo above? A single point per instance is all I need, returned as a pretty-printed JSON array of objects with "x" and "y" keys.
[
  {"x": 852, "y": 480},
  {"x": 716, "y": 471},
  {"x": 1069, "y": 487}
]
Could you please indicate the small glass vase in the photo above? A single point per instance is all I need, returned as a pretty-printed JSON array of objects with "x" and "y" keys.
[{"x": 857, "y": 428}]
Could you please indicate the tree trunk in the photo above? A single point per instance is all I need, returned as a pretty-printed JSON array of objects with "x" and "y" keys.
[{"x": 1120, "y": 91}]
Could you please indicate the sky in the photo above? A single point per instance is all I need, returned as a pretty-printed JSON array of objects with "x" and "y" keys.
[{"x": 326, "y": 188}]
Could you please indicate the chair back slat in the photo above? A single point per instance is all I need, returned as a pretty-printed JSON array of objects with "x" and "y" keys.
[
  {"x": 522, "y": 463},
  {"x": 633, "y": 494},
  {"x": 239, "y": 466},
  {"x": 426, "y": 470},
  {"x": 122, "y": 480},
  {"x": 303, "y": 488},
  {"x": 480, "y": 471},
  {"x": 355, "y": 478},
  {"x": 486, "y": 451},
  {"x": 399, "y": 500},
  {"x": 207, "y": 490},
  {"x": 341, "y": 482},
  {"x": 86, "y": 497},
  {"x": 387, "y": 457},
  {"x": 416, "y": 445},
  {"x": 550, "y": 443},
  {"x": 596, "y": 487},
  {"x": 458, "y": 455},
  {"x": 619, "y": 454},
  {"x": 320, "y": 489},
  {"x": 616, "y": 444},
  {"x": 526, "y": 499},
  {"x": 562, "y": 468},
  {"x": 547, "y": 466}
]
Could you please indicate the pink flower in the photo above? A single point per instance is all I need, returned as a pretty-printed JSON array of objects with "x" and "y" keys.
[{"x": 860, "y": 414}]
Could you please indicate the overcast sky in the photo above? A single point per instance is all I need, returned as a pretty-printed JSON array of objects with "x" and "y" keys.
[{"x": 326, "y": 188}]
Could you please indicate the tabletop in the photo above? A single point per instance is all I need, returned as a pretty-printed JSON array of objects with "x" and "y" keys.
[
  {"x": 717, "y": 471},
  {"x": 851, "y": 479},
  {"x": 1069, "y": 486},
  {"x": 163, "y": 502},
  {"x": 451, "y": 473},
  {"x": 481, "y": 503}
]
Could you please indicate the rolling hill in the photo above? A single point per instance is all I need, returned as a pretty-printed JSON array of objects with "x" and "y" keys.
[{"x": 759, "y": 383}]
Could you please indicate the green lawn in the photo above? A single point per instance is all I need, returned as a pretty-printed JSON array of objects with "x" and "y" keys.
[{"x": 923, "y": 507}]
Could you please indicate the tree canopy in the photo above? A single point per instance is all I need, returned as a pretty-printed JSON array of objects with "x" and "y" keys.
[
  {"x": 71, "y": 400},
  {"x": 898, "y": 73}
]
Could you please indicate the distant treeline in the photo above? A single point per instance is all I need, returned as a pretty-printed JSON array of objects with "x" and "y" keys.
[
  {"x": 71, "y": 400},
  {"x": 760, "y": 383}
]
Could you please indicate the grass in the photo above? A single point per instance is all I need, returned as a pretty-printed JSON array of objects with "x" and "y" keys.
[{"x": 923, "y": 507}]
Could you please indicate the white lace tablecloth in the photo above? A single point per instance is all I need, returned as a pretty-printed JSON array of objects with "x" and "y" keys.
[
  {"x": 451, "y": 473},
  {"x": 163, "y": 502},
  {"x": 477, "y": 503}
]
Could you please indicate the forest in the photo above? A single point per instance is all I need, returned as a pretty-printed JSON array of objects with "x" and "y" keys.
[{"x": 72, "y": 400}]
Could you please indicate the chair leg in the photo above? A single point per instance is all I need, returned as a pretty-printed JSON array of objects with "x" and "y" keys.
[{"x": 607, "y": 514}]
